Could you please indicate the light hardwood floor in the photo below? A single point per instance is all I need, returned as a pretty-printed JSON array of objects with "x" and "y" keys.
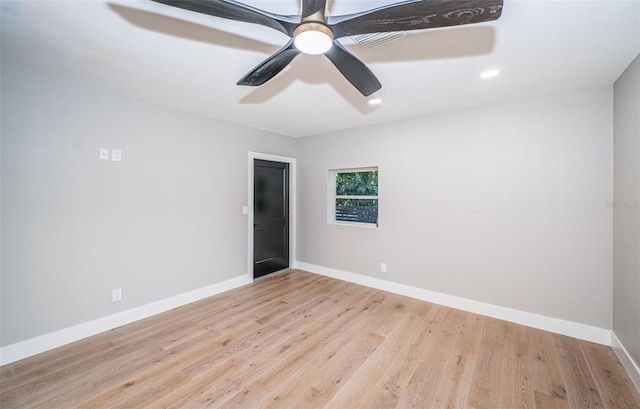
[{"x": 299, "y": 340}]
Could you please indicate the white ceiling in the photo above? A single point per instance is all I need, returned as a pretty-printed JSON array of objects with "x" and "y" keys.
[{"x": 190, "y": 61}]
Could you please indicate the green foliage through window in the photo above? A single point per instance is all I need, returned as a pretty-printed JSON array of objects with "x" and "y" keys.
[
  {"x": 357, "y": 183},
  {"x": 356, "y": 196}
]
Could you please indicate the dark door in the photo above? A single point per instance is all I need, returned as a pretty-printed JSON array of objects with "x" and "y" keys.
[{"x": 270, "y": 217}]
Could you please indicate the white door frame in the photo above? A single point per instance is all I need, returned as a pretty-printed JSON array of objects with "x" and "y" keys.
[{"x": 292, "y": 207}]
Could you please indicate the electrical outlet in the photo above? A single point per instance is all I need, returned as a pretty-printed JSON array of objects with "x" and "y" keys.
[
  {"x": 116, "y": 295},
  {"x": 116, "y": 155},
  {"x": 383, "y": 267},
  {"x": 104, "y": 154}
]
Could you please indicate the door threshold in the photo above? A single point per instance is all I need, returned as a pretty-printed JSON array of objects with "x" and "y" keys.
[{"x": 272, "y": 274}]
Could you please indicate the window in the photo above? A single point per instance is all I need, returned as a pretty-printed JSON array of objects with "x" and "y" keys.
[{"x": 353, "y": 196}]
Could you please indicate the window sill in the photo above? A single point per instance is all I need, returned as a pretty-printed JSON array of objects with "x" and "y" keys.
[{"x": 354, "y": 224}]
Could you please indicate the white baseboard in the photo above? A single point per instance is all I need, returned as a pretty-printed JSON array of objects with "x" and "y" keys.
[
  {"x": 33, "y": 346},
  {"x": 625, "y": 359},
  {"x": 46, "y": 342},
  {"x": 572, "y": 329}
]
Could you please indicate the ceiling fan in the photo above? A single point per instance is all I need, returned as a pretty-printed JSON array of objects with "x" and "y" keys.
[{"x": 315, "y": 32}]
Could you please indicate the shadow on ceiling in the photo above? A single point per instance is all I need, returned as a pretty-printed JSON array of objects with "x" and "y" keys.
[
  {"x": 190, "y": 31},
  {"x": 436, "y": 44},
  {"x": 458, "y": 42}
]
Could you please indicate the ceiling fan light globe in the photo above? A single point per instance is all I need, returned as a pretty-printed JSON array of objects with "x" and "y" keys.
[{"x": 313, "y": 42}]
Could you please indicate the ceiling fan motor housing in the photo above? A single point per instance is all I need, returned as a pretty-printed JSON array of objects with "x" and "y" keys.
[{"x": 313, "y": 37}]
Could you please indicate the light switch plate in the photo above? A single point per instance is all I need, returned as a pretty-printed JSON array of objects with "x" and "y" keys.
[{"x": 104, "y": 154}]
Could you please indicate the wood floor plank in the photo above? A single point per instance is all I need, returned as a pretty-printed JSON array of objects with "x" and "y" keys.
[
  {"x": 336, "y": 366},
  {"x": 397, "y": 376},
  {"x": 517, "y": 388},
  {"x": 581, "y": 386},
  {"x": 489, "y": 371},
  {"x": 300, "y": 340},
  {"x": 357, "y": 391},
  {"x": 453, "y": 389},
  {"x": 274, "y": 363},
  {"x": 305, "y": 349},
  {"x": 609, "y": 376},
  {"x": 545, "y": 365},
  {"x": 544, "y": 401},
  {"x": 33, "y": 392},
  {"x": 331, "y": 368},
  {"x": 433, "y": 360}
]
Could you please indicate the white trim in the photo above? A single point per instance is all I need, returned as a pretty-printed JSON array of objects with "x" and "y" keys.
[
  {"x": 46, "y": 342},
  {"x": 292, "y": 207},
  {"x": 356, "y": 169},
  {"x": 625, "y": 359},
  {"x": 572, "y": 329},
  {"x": 354, "y": 224}
]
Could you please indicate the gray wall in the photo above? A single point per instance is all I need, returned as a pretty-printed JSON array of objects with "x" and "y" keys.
[
  {"x": 166, "y": 220},
  {"x": 503, "y": 204},
  {"x": 626, "y": 214}
]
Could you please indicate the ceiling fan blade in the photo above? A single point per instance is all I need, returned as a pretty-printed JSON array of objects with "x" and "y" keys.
[
  {"x": 270, "y": 67},
  {"x": 415, "y": 15},
  {"x": 233, "y": 10},
  {"x": 354, "y": 70},
  {"x": 311, "y": 7}
]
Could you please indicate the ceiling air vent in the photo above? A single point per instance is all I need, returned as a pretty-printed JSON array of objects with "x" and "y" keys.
[{"x": 373, "y": 40}]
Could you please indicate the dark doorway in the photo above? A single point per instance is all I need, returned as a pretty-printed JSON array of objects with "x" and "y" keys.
[{"x": 270, "y": 217}]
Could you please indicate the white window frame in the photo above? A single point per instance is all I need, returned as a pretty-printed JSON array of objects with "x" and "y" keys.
[{"x": 331, "y": 197}]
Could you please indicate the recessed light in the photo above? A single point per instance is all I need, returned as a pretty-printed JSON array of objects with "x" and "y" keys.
[
  {"x": 375, "y": 101},
  {"x": 490, "y": 73}
]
